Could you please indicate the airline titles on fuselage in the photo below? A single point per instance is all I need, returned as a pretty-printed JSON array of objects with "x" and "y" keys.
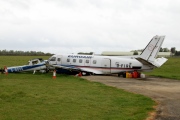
[{"x": 78, "y": 56}]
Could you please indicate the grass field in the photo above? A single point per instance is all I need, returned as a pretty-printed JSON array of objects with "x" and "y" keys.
[
  {"x": 17, "y": 60},
  {"x": 171, "y": 69},
  {"x": 27, "y": 96}
]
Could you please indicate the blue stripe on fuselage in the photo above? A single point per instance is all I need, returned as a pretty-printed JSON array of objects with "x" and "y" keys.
[{"x": 23, "y": 68}]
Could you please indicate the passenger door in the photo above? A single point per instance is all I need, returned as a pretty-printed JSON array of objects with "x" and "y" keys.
[{"x": 106, "y": 65}]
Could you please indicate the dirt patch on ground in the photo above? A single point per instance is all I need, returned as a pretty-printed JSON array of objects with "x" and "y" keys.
[{"x": 165, "y": 92}]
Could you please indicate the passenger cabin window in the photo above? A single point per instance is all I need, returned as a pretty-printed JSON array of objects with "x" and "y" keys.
[
  {"x": 74, "y": 60},
  {"x": 59, "y": 59},
  {"x": 87, "y": 61},
  {"x": 80, "y": 60},
  {"x": 94, "y": 61},
  {"x": 53, "y": 59},
  {"x": 68, "y": 60}
]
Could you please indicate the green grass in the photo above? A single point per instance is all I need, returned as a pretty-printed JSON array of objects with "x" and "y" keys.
[
  {"x": 27, "y": 96},
  {"x": 171, "y": 69},
  {"x": 17, "y": 60}
]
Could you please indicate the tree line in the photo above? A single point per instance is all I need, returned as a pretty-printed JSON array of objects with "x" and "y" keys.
[
  {"x": 175, "y": 52},
  {"x": 23, "y": 53},
  {"x": 172, "y": 50}
]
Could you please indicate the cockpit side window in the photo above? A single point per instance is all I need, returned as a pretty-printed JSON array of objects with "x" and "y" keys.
[
  {"x": 34, "y": 62},
  {"x": 53, "y": 59}
]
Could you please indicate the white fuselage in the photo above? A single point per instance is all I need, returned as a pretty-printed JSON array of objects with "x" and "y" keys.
[{"x": 98, "y": 64}]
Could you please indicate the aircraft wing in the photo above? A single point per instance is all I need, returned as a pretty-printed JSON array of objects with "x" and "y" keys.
[
  {"x": 66, "y": 67},
  {"x": 91, "y": 70},
  {"x": 76, "y": 68}
]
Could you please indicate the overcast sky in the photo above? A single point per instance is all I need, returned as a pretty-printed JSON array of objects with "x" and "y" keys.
[{"x": 71, "y": 26}]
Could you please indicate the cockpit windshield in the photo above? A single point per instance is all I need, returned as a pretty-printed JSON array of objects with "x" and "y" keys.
[{"x": 53, "y": 59}]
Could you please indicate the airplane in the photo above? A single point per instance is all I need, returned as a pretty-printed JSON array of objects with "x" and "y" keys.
[
  {"x": 37, "y": 64},
  {"x": 94, "y": 64}
]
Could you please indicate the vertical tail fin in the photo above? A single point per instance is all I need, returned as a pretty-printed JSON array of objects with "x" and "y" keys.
[
  {"x": 152, "y": 49},
  {"x": 149, "y": 54}
]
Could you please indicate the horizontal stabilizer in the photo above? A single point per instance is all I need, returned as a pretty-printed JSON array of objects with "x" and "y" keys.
[
  {"x": 144, "y": 62},
  {"x": 159, "y": 61},
  {"x": 156, "y": 63}
]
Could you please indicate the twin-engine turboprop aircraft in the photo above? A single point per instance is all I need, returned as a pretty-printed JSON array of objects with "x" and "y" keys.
[{"x": 111, "y": 64}]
